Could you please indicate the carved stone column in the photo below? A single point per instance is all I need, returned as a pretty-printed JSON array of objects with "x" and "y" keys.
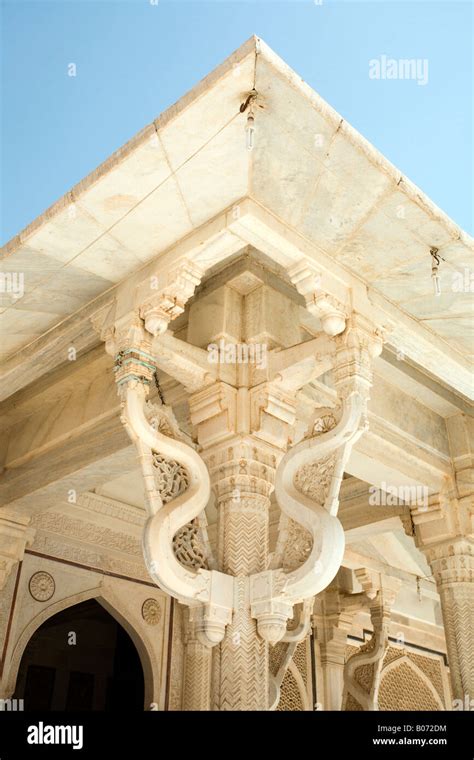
[
  {"x": 242, "y": 471},
  {"x": 243, "y": 550},
  {"x": 453, "y": 569},
  {"x": 197, "y": 672},
  {"x": 444, "y": 534}
]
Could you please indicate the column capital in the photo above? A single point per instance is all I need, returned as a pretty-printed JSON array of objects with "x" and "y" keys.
[
  {"x": 356, "y": 348},
  {"x": 446, "y": 523},
  {"x": 15, "y": 536}
]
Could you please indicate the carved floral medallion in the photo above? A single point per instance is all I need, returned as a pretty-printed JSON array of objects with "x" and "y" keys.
[
  {"x": 42, "y": 586},
  {"x": 151, "y": 611}
]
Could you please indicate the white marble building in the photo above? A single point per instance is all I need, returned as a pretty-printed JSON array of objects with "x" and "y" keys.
[{"x": 236, "y": 415}]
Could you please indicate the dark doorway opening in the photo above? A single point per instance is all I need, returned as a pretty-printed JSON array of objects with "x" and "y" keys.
[{"x": 81, "y": 659}]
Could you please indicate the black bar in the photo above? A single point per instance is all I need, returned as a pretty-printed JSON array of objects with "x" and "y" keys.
[{"x": 138, "y": 735}]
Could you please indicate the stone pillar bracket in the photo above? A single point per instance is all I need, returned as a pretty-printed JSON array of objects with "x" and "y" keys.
[
  {"x": 382, "y": 592},
  {"x": 307, "y": 280},
  {"x": 160, "y": 305},
  {"x": 211, "y": 589}
]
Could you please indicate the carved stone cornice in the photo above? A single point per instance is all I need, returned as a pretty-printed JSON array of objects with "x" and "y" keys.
[
  {"x": 94, "y": 558},
  {"x": 87, "y": 533},
  {"x": 108, "y": 507}
]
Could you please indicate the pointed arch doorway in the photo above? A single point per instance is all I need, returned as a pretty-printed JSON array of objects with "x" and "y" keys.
[{"x": 81, "y": 659}]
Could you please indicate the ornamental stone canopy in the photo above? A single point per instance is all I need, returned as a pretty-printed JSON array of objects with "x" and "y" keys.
[{"x": 228, "y": 380}]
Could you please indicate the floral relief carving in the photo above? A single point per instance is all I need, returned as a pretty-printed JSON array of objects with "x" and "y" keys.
[
  {"x": 100, "y": 562},
  {"x": 56, "y": 523},
  {"x": 313, "y": 480},
  {"x": 297, "y": 547},
  {"x": 324, "y": 424}
]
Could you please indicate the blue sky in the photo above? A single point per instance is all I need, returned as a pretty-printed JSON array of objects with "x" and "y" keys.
[{"x": 135, "y": 58}]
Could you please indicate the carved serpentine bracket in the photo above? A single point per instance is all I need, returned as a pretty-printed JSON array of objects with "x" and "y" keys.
[
  {"x": 176, "y": 479},
  {"x": 288, "y": 645},
  {"x": 308, "y": 480},
  {"x": 362, "y": 670}
]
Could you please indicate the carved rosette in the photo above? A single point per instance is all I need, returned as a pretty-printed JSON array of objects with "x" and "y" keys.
[
  {"x": 324, "y": 424},
  {"x": 42, "y": 586},
  {"x": 151, "y": 611}
]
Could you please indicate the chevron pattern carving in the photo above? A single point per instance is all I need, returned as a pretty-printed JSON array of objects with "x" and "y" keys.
[
  {"x": 244, "y": 662},
  {"x": 245, "y": 535},
  {"x": 197, "y": 676},
  {"x": 457, "y": 602},
  {"x": 452, "y": 563}
]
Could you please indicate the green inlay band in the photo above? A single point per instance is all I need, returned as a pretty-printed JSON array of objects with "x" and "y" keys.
[
  {"x": 151, "y": 367},
  {"x": 132, "y": 376},
  {"x": 136, "y": 351}
]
